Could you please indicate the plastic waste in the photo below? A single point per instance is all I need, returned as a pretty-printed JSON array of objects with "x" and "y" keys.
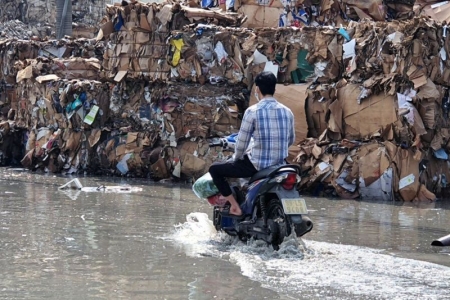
[
  {"x": 122, "y": 165},
  {"x": 207, "y": 3},
  {"x": 204, "y": 187},
  {"x": 302, "y": 16},
  {"x": 344, "y": 33},
  {"x": 177, "y": 45},
  {"x": 221, "y": 53}
]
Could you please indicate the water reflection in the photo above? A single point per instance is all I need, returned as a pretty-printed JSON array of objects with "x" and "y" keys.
[
  {"x": 81, "y": 245},
  {"x": 110, "y": 246}
]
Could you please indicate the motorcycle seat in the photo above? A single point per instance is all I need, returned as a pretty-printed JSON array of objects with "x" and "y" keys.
[{"x": 272, "y": 170}]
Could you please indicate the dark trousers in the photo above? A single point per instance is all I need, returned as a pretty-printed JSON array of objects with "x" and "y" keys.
[{"x": 230, "y": 169}]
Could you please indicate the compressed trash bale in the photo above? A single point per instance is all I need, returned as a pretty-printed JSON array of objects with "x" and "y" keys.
[
  {"x": 138, "y": 34},
  {"x": 191, "y": 82}
]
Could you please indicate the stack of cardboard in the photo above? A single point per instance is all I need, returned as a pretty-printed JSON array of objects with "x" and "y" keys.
[
  {"x": 370, "y": 99},
  {"x": 129, "y": 128},
  {"x": 78, "y": 124},
  {"x": 208, "y": 54},
  {"x": 393, "y": 88},
  {"x": 184, "y": 117},
  {"x": 372, "y": 170},
  {"x": 217, "y": 54},
  {"x": 34, "y": 11},
  {"x": 65, "y": 68},
  {"x": 63, "y": 118},
  {"x": 137, "y": 33},
  {"x": 262, "y": 14},
  {"x": 300, "y": 13},
  {"x": 69, "y": 58}
]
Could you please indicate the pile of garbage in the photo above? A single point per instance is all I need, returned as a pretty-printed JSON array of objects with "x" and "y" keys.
[
  {"x": 18, "y": 30},
  {"x": 384, "y": 85},
  {"x": 68, "y": 58},
  {"x": 160, "y": 81},
  {"x": 137, "y": 38},
  {"x": 37, "y": 18},
  {"x": 316, "y": 13},
  {"x": 87, "y": 14},
  {"x": 128, "y": 128}
]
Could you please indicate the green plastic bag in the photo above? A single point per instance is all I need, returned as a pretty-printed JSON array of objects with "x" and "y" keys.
[{"x": 204, "y": 187}]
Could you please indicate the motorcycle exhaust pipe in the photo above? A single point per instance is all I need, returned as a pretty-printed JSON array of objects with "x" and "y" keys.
[
  {"x": 443, "y": 241},
  {"x": 304, "y": 227}
]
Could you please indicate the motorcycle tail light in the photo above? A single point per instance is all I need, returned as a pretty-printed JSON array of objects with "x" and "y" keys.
[{"x": 290, "y": 181}]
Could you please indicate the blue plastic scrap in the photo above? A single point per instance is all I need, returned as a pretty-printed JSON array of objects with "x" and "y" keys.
[
  {"x": 302, "y": 16},
  {"x": 344, "y": 33},
  {"x": 441, "y": 154},
  {"x": 207, "y": 3},
  {"x": 282, "y": 21},
  {"x": 119, "y": 23}
]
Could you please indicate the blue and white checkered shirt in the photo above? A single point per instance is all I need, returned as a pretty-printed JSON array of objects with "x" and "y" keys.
[{"x": 271, "y": 124}]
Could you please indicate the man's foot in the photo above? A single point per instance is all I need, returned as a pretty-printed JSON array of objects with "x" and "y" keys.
[
  {"x": 231, "y": 212},
  {"x": 235, "y": 210}
]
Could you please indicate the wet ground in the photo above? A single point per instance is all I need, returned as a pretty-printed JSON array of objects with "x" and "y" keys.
[{"x": 160, "y": 244}]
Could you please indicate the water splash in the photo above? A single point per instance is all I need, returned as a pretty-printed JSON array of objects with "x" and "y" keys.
[{"x": 317, "y": 269}]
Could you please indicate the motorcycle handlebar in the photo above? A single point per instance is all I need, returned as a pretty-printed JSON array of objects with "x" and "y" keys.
[
  {"x": 216, "y": 144},
  {"x": 219, "y": 143}
]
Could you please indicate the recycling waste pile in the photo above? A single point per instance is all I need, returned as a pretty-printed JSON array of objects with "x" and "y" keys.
[
  {"x": 145, "y": 97},
  {"x": 17, "y": 29},
  {"x": 38, "y": 18}
]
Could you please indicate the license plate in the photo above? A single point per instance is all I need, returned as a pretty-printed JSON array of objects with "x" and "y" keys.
[{"x": 294, "y": 206}]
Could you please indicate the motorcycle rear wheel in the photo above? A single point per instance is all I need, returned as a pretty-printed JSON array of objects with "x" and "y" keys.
[{"x": 278, "y": 223}]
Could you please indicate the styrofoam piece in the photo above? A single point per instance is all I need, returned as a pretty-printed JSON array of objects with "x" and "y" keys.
[
  {"x": 73, "y": 184},
  {"x": 112, "y": 189},
  {"x": 76, "y": 184}
]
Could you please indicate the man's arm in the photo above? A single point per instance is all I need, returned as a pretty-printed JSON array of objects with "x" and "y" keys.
[{"x": 245, "y": 135}]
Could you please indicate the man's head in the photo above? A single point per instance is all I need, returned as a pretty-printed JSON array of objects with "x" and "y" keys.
[{"x": 265, "y": 84}]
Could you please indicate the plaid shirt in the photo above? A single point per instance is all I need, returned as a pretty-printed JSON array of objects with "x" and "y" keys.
[{"x": 271, "y": 124}]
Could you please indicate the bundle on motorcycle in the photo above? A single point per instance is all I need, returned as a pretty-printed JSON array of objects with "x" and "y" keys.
[{"x": 271, "y": 205}]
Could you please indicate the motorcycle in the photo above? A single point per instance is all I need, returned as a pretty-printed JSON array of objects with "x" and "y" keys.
[{"x": 270, "y": 202}]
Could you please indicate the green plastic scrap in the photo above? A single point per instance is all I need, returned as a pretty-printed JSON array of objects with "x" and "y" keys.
[{"x": 304, "y": 69}]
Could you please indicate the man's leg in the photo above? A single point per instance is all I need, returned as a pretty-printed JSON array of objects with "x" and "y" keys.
[{"x": 235, "y": 169}]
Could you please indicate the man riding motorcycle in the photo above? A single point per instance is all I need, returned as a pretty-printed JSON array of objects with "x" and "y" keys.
[{"x": 271, "y": 124}]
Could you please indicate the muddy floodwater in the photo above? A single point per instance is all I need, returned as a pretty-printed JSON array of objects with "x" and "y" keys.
[{"x": 159, "y": 243}]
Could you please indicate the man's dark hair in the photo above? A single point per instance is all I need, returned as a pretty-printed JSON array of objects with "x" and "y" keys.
[{"x": 266, "y": 83}]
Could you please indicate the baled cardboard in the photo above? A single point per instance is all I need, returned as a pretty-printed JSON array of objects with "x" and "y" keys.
[
  {"x": 260, "y": 16},
  {"x": 26, "y": 73},
  {"x": 408, "y": 164},
  {"x": 424, "y": 194},
  {"x": 440, "y": 13},
  {"x": 372, "y": 164},
  {"x": 363, "y": 120}
]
